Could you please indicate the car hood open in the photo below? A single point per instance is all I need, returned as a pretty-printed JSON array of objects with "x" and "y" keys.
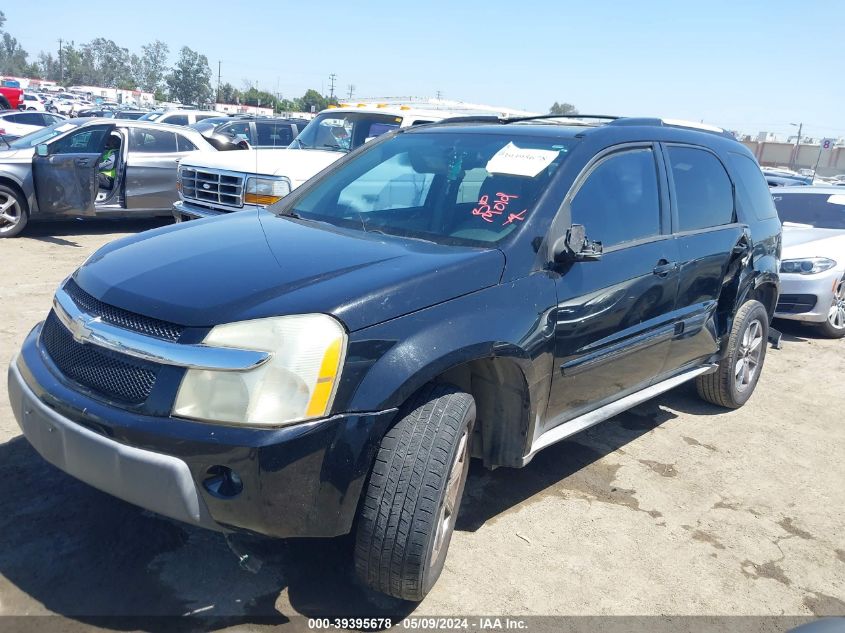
[
  {"x": 298, "y": 165},
  {"x": 251, "y": 265}
]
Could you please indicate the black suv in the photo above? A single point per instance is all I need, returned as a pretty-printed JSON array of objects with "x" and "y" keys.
[{"x": 462, "y": 289}]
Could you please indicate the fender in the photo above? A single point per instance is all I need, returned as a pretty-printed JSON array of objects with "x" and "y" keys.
[{"x": 387, "y": 363}]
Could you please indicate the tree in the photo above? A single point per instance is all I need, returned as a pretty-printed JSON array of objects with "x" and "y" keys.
[
  {"x": 563, "y": 108},
  {"x": 13, "y": 58},
  {"x": 312, "y": 98},
  {"x": 152, "y": 66},
  {"x": 190, "y": 79},
  {"x": 109, "y": 64}
]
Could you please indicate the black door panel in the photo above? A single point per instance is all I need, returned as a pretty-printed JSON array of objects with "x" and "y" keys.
[
  {"x": 614, "y": 329},
  {"x": 65, "y": 184}
]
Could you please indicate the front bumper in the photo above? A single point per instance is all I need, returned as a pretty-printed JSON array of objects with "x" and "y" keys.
[
  {"x": 183, "y": 210},
  {"x": 298, "y": 481},
  {"x": 807, "y": 297}
]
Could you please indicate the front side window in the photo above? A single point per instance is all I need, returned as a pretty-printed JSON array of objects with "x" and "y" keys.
[
  {"x": 619, "y": 201},
  {"x": 702, "y": 187},
  {"x": 449, "y": 188},
  {"x": 88, "y": 140},
  {"x": 238, "y": 129},
  {"x": 344, "y": 131},
  {"x": 818, "y": 210},
  {"x": 176, "y": 119},
  {"x": 151, "y": 141}
]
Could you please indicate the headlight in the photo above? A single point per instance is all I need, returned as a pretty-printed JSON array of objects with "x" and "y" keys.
[
  {"x": 297, "y": 382},
  {"x": 808, "y": 266},
  {"x": 265, "y": 190}
]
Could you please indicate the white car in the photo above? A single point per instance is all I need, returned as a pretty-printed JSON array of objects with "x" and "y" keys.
[
  {"x": 178, "y": 117},
  {"x": 812, "y": 270},
  {"x": 32, "y": 102},
  {"x": 17, "y": 123},
  {"x": 231, "y": 181}
]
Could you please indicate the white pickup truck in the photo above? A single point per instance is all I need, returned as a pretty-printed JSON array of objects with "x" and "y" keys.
[{"x": 223, "y": 182}]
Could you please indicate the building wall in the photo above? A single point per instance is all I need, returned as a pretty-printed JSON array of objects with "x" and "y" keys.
[{"x": 772, "y": 154}]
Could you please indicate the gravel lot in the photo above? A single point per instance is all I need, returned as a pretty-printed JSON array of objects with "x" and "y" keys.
[{"x": 673, "y": 508}]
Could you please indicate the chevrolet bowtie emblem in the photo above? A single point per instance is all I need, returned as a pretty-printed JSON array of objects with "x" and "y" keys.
[{"x": 79, "y": 327}]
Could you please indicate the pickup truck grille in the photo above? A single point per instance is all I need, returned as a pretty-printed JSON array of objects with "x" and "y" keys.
[{"x": 210, "y": 188}]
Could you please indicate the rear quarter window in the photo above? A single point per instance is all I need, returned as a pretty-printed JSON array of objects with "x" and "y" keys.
[{"x": 753, "y": 196}]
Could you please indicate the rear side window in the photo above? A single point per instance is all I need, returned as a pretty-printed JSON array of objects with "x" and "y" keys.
[
  {"x": 183, "y": 144},
  {"x": 273, "y": 134},
  {"x": 176, "y": 119},
  {"x": 619, "y": 201},
  {"x": 150, "y": 141},
  {"x": 703, "y": 190},
  {"x": 753, "y": 195}
]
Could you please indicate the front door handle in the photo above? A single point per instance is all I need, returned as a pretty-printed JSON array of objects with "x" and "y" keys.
[
  {"x": 83, "y": 162},
  {"x": 664, "y": 268}
]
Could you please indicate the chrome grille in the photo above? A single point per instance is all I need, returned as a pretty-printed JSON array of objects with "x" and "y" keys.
[{"x": 212, "y": 187}]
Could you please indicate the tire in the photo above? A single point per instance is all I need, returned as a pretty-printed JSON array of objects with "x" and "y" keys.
[
  {"x": 726, "y": 387},
  {"x": 4, "y": 104},
  {"x": 834, "y": 326},
  {"x": 13, "y": 218},
  {"x": 415, "y": 486}
]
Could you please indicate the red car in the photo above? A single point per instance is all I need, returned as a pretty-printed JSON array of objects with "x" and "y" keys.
[{"x": 10, "y": 98}]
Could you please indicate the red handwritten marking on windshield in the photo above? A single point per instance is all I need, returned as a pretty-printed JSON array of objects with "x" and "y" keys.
[
  {"x": 515, "y": 216},
  {"x": 499, "y": 206}
]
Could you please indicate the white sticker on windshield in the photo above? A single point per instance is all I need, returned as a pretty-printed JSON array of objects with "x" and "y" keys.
[
  {"x": 837, "y": 198},
  {"x": 517, "y": 161},
  {"x": 65, "y": 127}
]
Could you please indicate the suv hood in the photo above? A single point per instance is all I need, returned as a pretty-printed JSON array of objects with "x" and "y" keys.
[
  {"x": 799, "y": 242},
  {"x": 250, "y": 265},
  {"x": 298, "y": 165}
]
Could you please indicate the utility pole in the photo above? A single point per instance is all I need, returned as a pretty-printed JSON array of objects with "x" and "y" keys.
[
  {"x": 61, "y": 65},
  {"x": 797, "y": 147},
  {"x": 219, "y": 64},
  {"x": 439, "y": 95},
  {"x": 351, "y": 88},
  {"x": 332, "y": 79}
]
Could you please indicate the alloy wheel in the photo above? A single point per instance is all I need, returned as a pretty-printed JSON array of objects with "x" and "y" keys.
[
  {"x": 449, "y": 511},
  {"x": 836, "y": 316},
  {"x": 748, "y": 356},
  {"x": 10, "y": 212}
]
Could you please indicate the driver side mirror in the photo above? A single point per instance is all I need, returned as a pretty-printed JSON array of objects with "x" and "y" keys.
[
  {"x": 575, "y": 247},
  {"x": 41, "y": 149}
]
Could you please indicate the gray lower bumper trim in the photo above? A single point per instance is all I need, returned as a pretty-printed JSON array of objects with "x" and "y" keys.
[{"x": 157, "y": 482}]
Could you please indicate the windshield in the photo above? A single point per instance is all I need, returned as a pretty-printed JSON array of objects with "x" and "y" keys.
[
  {"x": 151, "y": 116},
  {"x": 344, "y": 131},
  {"x": 206, "y": 125},
  {"x": 42, "y": 136},
  {"x": 450, "y": 188},
  {"x": 820, "y": 211}
]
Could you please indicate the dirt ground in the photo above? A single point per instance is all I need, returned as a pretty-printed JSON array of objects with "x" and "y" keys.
[{"x": 674, "y": 508}]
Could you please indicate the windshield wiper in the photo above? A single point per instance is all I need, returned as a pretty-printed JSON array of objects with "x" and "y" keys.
[
  {"x": 3, "y": 136},
  {"x": 335, "y": 147}
]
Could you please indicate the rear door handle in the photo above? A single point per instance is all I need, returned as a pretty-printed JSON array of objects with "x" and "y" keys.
[{"x": 664, "y": 268}]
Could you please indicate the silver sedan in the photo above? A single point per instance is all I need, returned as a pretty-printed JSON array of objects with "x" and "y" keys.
[
  {"x": 812, "y": 273},
  {"x": 92, "y": 167}
]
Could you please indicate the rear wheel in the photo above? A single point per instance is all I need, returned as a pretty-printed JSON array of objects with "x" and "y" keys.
[
  {"x": 13, "y": 214},
  {"x": 409, "y": 509},
  {"x": 4, "y": 103},
  {"x": 834, "y": 326},
  {"x": 732, "y": 384}
]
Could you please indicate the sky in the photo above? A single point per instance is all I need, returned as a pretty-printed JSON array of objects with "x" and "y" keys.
[{"x": 744, "y": 65}]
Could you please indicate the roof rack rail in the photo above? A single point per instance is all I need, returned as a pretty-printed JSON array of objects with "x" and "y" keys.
[
  {"x": 692, "y": 125},
  {"x": 474, "y": 118}
]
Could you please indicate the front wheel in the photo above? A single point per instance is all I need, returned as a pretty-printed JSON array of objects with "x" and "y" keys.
[
  {"x": 732, "y": 384},
  {"x": 408, "y": 512},
  {"x": 834, "y": 325},
  {"x": 13, "y": 215}
]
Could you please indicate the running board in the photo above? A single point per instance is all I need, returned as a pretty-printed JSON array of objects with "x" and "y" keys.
[{"x": 576, "y": 425}]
